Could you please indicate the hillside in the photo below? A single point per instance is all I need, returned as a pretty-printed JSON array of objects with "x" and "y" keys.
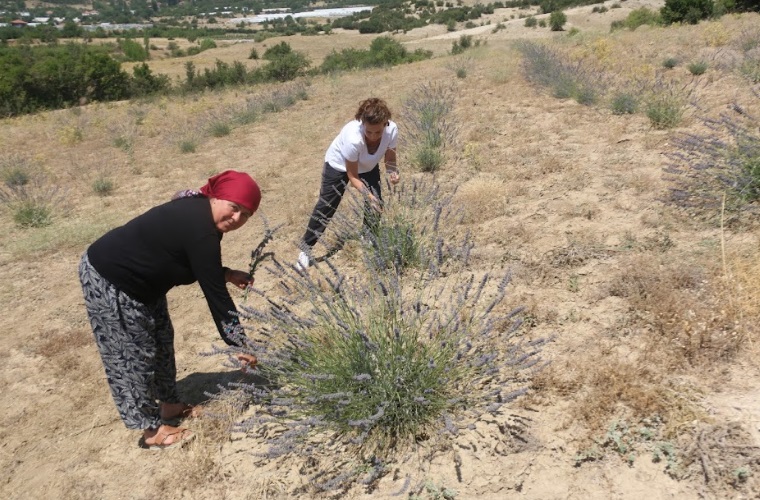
[{"x": 652, "y": 388}]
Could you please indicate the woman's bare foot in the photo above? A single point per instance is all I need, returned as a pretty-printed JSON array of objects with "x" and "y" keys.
[
  {"x": 178, "y": 411},
  {"x": 166, "y": 436}
]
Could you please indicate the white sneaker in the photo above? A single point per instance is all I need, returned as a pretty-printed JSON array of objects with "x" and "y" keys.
[{"x": 304, "y": 261}]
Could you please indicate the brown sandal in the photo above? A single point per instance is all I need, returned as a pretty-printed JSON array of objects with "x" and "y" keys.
[{"x": 179, "y": 439}]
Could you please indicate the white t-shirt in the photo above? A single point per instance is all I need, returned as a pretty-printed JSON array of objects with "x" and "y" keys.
[{"x": 349, "y": 145}]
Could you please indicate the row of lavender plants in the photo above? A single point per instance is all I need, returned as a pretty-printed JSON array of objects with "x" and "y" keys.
[{"x": 395, "y": 343}]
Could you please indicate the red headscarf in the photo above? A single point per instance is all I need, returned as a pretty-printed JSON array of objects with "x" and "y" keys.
[{"x": 237, "y": 187}]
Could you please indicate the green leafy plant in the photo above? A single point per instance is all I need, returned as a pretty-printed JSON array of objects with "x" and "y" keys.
[
  {"x": 33, "y": 205},
  {"x": 220, "y": 129},
  {"x": 697, "y": 68},
  {"x": 188, "y": 145},
  {"x": 103, "y": 186},
  {"x": 624, "y": 103},
  {"x": 670, "y": 62},
  {"x": 665, "y": 105}
]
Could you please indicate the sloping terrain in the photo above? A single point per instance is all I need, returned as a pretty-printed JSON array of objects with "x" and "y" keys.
[{"x": 568, "y": 197}]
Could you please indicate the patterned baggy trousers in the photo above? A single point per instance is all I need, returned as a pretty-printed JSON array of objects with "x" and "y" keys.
[{"x": 136, "y": 344}]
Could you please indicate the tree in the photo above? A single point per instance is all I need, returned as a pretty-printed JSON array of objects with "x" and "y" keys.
[
  {"x": 686, "y": 11},
  {"x": 557, "y": 20}
]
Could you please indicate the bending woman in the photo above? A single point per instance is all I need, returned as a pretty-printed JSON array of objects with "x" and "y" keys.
[
  {"x": 125, "y": 276},
  {"x": 353, "y": 158}
]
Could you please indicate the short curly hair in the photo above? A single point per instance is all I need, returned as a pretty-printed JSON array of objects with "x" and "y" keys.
[{"x": 373, "y": 111}]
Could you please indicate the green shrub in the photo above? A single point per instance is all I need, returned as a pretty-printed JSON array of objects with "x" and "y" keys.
[
  {"x": 750, "y": 69},
  {"x": 54, "y": 77},
  {"x": 670, "y": 62},
  {"x": 557, "y": 20},
  {"x": 16, "y": 178},
  {"x": 428, "y": 157},
  {"x": 32, "y": 213},
  {"x": 103, "y": 186},
  {"x": 132, "y": 50},
  {"x": 286, "y": 67},
  {"x": 531, "y": 22},
  {"x": 638, "y": 17},
  {"x": 220, "y": 129},
  {"x": 15, "y": 171},
  {"x": 383, "y": 51},
  {"x": 459, "y": 46},
  {"x": 207, "y": 44},
  {"x": 697, "y": 68},
  {"x": 33, "y": 204},
  {"x": 144, "y": 82},
  {"x": 686, "y": 11},
  {"x": 188, "y": 146},
  {"x": 624, "y": 103},
  {"x": 254, "y": 54},
  {"x": 664, "y": 110},
  {"x": 277, "y": 51}
]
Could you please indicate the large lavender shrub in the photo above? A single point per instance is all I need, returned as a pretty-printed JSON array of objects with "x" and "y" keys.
[
  {"x": 368, "y": 363},
  {"x": 721, "y": 163}
]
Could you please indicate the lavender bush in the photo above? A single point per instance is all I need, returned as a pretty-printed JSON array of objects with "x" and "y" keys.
[
  {"x": 368, "y": 363},
  {"x": 723, "y": 162},
  {"x": 429, "y": 129},
  {"x": 548, "y": 68}
]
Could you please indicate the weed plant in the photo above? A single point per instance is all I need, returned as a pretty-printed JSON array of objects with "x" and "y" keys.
[
  {"x": 697, "y": 68},
  {"x": 220, "y": 129},
  {"x": 34, "y": 204},
  {"x": 102, "y": 186},
  {"x": 665, "y": 104},
  {"x": 283, "y": 97},
  {"x": 15, "y": 171},
  {"x": 624, "y": 103},
  {"x": 548, "y": 68},
  {"x": 370, "y": 363},
  {"x": 721, "y": 163},
  {"x": 429, "y": 129},
  {"x": 461, "y": 66}
]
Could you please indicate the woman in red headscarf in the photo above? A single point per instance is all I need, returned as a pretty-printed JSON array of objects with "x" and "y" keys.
[{"x": 125, "y": 276}]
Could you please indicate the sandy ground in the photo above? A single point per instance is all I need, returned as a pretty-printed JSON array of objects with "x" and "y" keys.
[{"x": 535, "y": 176}]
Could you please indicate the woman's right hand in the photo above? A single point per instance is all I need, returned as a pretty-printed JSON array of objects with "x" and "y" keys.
[
  {"x": 375, "y": 203},
  {"x": 247, "y": 361}
]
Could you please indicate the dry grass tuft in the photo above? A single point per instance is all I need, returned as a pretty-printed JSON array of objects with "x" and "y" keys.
[{"x": 686, "y": 316}]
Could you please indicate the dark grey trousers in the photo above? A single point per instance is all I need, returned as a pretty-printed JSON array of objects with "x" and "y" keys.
[{"x": 333, "y": 186}]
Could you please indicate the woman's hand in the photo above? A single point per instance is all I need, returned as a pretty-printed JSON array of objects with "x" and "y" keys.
[
  {"x": 375, "y": 203},
  {"x": 393, "y": 177},
  {"x": 240, "y": 279},
  {"x": 247, "y": 361}
]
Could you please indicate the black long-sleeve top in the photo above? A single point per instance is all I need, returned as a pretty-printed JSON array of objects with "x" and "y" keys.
[{"x": 173, "y": 244}]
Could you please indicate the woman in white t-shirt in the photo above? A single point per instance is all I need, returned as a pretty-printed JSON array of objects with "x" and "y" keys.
[{"x": 353, "y": 158}]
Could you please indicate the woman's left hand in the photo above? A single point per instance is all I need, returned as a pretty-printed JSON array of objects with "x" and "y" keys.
[{"x": 240, "y": 279}]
